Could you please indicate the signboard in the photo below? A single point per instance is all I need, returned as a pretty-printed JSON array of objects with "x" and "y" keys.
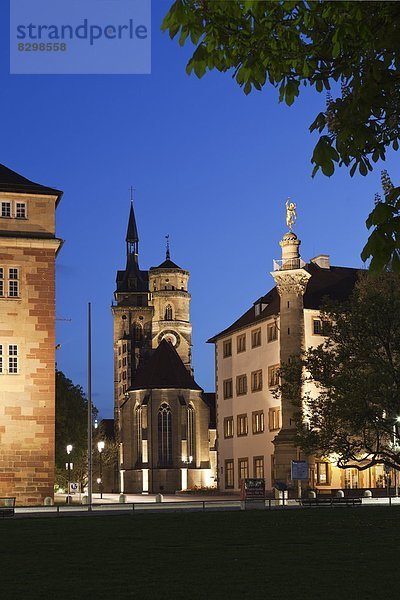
[
  {"x": 299, "y": 471},
  {"x": 252, "y": 489},
  {"x": 74, "y": 487}
]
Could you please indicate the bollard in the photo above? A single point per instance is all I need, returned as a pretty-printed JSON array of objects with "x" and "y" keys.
[
  {"x": 159, "y": 498},
  {"x": 85, "y": 499},
  {"x": 340, "y": 494},
  {"x": 48, "y": 501},
  {"x": 367, "y": 494},
  {"x": 312, "y": 495},
  {"x": 122, "y": 499}
]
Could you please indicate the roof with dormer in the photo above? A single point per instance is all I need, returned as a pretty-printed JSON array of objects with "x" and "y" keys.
[
  {"x": 11, "y": 181},
  {"x": 335, "y": 283},
  {"x": 164, "y": 370}
]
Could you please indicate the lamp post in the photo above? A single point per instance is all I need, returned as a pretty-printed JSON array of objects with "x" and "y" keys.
[
  {"x": 395, "y": 447},
  {"x": 69, "y": 467},
  {"x": 100, "y": 448}
]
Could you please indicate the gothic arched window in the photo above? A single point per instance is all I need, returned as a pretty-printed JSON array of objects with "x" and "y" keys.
[
  {"x": 168, "y": 312},
  {"x": 137, "y": 332},
  {"x": 164, "y": 435},
  {"x": 139, "y": 433},
  {"x": 191, "y": 433}
]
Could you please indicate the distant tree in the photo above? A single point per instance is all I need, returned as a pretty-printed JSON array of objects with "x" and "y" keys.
[
  {"x": 71, "y": 428},
  {"x": 348, "y": 50},
  {"x": 353, "y": 411}
]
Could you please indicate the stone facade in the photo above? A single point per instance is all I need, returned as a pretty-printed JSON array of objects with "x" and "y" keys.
[{"x": 28, "y": 249}]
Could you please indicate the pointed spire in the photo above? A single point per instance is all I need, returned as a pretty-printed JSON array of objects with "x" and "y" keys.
[
  {"x": 132, "y": 236},
  {"x": 167, "y": 253}
]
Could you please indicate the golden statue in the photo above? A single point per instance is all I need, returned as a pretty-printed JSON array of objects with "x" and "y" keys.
[{"x": 291, "y": 214}]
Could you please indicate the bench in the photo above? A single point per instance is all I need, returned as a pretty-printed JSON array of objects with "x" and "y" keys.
[
  {"x": 7, "y": 507},
  {"x": 330, "y": 501}
]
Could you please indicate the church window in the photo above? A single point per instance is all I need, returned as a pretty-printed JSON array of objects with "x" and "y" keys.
[
  {"x": 228, "y": 389},
  {"x": 242, "y": 425},
  {"x": 13, "y": 358},
  {"x": 258, "y": 421},
  {"x": 6, "y": 209},
  {"x": 20, "y": 210},
  {"x": 229, "y": 474},
  {"x": 13, "y": 283},
  {"x": 256, "y": 381},
  {"x": 137, "y": 332},
  {"x": 241, "y": 342},
  {"x": 228, "y": 427},
  {"x": 258, "y": 467},
  {"x": 139, "y": 426},
  {"x": 273, "y": 376},
  {"x": 123, "y": 374},
  {"x": 256, "y": 338},
  {"x": 227, "y": 348},
  {"x": 164, "y": 435},
  {"x": 243, "y": 464},
  {"x": 272, "y": 332},
  {"x": 241, "y": 385},
  {"x": 274, "y": 415},
  {"x": 124, "y": 361},
  {"x": 191, "y": 432},
  {"x": 168, "y": 313}
]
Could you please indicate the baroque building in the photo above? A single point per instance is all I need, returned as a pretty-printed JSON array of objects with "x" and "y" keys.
[
  {"x": 28, "y": 249},
  {"x": 255, "y": 429},
  {"x": 164, "y": 420}
]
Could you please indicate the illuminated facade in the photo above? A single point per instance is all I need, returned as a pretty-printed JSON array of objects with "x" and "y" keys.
[
  {"x": 28, "y": 248},
  {"x": 164, "y": 420},
  {"x": 255, "y": 430}
]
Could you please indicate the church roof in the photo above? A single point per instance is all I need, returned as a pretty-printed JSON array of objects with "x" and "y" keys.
[
  {"x": 164, "y": 369},
  {"x": 10, "y": 181},
  {"x": 167, "y": 264},
  {"x": 132, "y": 232},
  {"x": 336, "y": 283}
]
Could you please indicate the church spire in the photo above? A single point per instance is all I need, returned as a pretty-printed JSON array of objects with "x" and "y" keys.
[
  {"x": 132, "y": 237},
  {"x": 167, "y": 253}
]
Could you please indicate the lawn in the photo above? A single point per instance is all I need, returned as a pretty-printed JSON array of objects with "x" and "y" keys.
[{"x": 323, "y": 553}]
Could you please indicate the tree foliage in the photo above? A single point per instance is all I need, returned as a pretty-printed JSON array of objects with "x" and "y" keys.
[
  {"x": 348, "y": 50},
  {"x": 348, "y": 388}
]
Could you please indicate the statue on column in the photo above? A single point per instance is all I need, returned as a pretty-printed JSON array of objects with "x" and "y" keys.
[{"x": 291, "y": 214}]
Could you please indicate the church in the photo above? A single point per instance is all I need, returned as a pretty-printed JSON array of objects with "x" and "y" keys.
[{"x": 165, "y": 422}]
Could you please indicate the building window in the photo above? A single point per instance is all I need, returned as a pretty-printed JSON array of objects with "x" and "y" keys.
[
  {"x": 241, "y": 343},
  {"x": 228, "y": 427},
  {"x": 1, "y": 359},
  {"x": 164, "y": 435},
  {"x": 256, "y": 338},
  {"x": 242, "y": 426},
  {"x": 168, "y": 313},
  {"x": 274, "y": 415},
  {"x": 272, "y": 332},
  {"x": 13, "y": 283},
  {"x": 322, "y": 469},
  {"x": 258, "y": 421},
  {"x": 1, "y": 281},
  {"x": 258, "y": 467},
  {"x": 227, "y": 348},
  {"x": 319, "y": 327},
  {"x": 191, "y": 432},
  {"x": 137, "y": 333},
  {"x": 228, "y": 388},
  {"x": 241, "y": 385},
  {"x": 229, "y": 474},
  {"x": 13, "y": 358},
  {"x": 139, "y": 433},
  {"x": 256, "y": 381},
  {"x": 6, "y": 209},
  {"x": 20, "y": 210},
  {"x": 243, "y": 464},
  {"x": 273, "y": 376}
]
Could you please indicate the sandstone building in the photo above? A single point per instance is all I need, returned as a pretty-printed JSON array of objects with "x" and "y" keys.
[
  {"x": 255, "y": 431},
  {"x": 164, "y": 420},
  {"x": 28, "y": 248}
]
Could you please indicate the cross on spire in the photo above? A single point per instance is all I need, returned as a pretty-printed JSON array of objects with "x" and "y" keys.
[{"x": 167, "y": 254}]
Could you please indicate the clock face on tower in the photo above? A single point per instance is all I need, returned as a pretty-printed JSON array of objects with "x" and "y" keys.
[{"x": 171, "y": 336}]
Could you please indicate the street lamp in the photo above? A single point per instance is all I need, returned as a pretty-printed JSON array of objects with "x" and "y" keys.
[
  {"x": 100, "y": 448},
  {"x": 69, "y": 467}
]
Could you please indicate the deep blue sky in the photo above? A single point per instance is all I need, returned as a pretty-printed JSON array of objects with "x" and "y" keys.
[{"x": 211, "y": 167}]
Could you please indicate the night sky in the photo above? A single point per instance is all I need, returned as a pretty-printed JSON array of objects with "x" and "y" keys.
[{"x": 211, "y": 167}]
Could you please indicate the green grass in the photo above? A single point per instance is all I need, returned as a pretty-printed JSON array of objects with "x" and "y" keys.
[{"x": 324, "y": 553}]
